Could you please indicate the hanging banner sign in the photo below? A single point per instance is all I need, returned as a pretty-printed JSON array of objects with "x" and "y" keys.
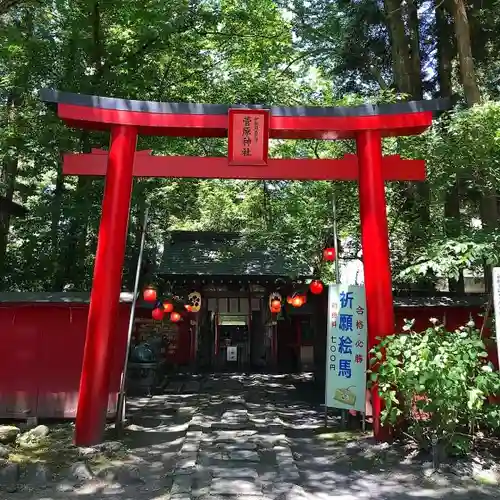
[
  {"x": 248, "y": 136},
  {"x": 346, "y": 348},
  {"x": 496, "y": 305}
]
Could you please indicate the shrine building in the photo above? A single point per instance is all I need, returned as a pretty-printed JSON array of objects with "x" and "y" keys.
[{"x": 235, "y": 284}]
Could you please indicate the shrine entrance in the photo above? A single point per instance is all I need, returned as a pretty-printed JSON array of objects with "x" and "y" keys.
[{"x": 248, "y": 130}]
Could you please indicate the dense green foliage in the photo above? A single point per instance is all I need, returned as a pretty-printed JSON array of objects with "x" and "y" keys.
[
  {"x": 438, "y": 382},
  {"x": 249, "y": 51}
]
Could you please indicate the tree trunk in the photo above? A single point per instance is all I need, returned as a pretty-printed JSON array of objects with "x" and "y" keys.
[
  {"x": 458, "y": 11},
  {"x": 423, "y": 191},
  {"x": 56, "y": 211},
  {"x": 444, "y": 34},
  {"x": 488, "y": 202},
  {"x": 445, "y": 50},
  {"x": 60, "y": 239},
  {"x": 489, "y": 216},
  {"x": 13, "y": 145},
  {"x": 75, "y": 246},
  {"x": 134, "y": 239},
  {"x": 415, "y": 59},
  {"x": 405, "y": 46},
  {"x": 136, "y": 243},
  {"x": 75, "y": 271},
  {"x": 453, "y": 228},
  {"x": 8, "y": 181},
  {"x": 401, "y": 63}
]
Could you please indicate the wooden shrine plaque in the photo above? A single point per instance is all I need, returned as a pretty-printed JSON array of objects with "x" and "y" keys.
[{"x": 248, "y": 136}]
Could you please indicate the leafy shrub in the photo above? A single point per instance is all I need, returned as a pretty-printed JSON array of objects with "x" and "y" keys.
[{"x": 438, "y": 383}]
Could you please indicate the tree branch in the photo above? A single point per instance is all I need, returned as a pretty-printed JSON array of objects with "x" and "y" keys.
[
  {"x": 6, "y": 5},
  {"x": 140, "y": 51},
  {"x": 238, "y": 35},
  {"x": 305, "y": 55},
  {"x": 377, "y": 75}
]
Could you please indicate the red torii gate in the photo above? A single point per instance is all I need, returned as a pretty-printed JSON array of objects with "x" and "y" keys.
[{"x": 126, "y": 119}]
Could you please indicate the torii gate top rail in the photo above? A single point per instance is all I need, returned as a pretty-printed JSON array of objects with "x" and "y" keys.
[{"x": 211, "y": 120}]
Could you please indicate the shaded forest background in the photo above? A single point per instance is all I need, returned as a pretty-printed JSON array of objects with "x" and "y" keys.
[{"x": 290, "y": 52}]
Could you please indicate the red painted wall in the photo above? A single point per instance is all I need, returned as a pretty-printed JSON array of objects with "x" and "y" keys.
[
  {"x": 452, "y": 316},
  {"x": 42, "y": 352}
]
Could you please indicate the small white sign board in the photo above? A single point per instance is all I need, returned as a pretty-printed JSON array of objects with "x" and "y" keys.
[
  {"x": 232, "y": 353},
  {"x": 496, "y": 305}
]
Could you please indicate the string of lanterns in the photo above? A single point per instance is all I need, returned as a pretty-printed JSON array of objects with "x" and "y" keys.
[
  {"x": 167, "y": 307},
  {"x": 297, "y": 299}
]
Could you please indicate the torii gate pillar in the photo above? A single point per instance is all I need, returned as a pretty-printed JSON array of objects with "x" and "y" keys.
[
  {"x": 106, "y": 287},
  {"x": 126, "y": 119},
  {"x": 375, "y": 245}
]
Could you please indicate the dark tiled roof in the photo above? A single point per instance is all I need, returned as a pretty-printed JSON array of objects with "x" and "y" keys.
[{"x": 224, "y": 254}]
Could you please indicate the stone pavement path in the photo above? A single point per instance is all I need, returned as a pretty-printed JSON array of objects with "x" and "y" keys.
[{"x": 252, "y": 437}]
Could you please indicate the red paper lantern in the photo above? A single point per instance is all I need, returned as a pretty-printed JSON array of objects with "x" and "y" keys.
[
  {"x": 316, "y": 287},
  {"x": 168, "y": 306},
  {"x": 329, "y": 254},
  {"x": 289, "y": 299},
  {"x": 157, "y": 313},
  {"x": 297, "y": 301},
  {"x": 175, "y": 317},
  {"x": 304, "y": 298},
  {"x": 276, "y": 304},
  {"x": 149, "y": 294},
  {"x": 276, "y": 310},
  {"x": 188, "y": 307}
]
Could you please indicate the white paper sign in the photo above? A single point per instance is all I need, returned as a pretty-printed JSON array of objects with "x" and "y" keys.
[
  {"x": 496, "y": 305},
  {"x": 346, "y": 348},
  {"x": 232, "y": 353}
]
